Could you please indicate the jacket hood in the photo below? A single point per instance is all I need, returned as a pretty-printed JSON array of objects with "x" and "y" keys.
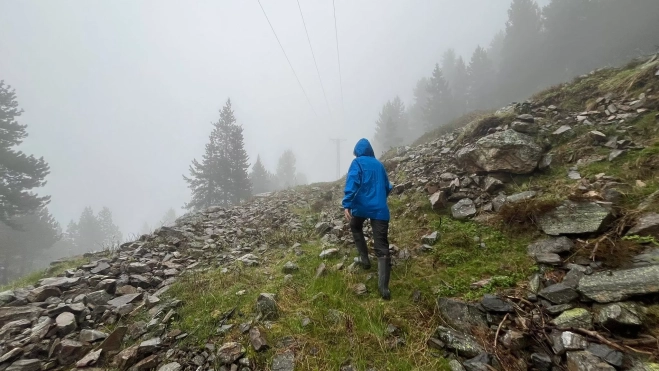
[{"x": 363, "y": 148}]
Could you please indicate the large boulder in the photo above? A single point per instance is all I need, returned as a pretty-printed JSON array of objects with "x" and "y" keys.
[
  {"x": 611, "y": 286},
  {"x": 505, "y": 151},
  {"x": 574, "y": 218}
]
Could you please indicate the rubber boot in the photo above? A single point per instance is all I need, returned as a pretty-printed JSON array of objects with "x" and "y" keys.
[
  {"x": 362, "y": 259},
  {"x": 384, "y": 270}
]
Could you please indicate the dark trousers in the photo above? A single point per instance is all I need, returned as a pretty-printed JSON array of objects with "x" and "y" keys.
[{"x": 380, "y": 233}]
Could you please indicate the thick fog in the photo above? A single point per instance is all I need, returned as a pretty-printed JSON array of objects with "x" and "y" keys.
[{"x": 119, "y": 96}]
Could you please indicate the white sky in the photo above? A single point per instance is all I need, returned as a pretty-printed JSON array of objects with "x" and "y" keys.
[{"x": 119, "y": 95}]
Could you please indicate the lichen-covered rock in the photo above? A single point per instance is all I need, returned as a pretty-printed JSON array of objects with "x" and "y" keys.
[
  {"x": 463, "y": 209},
  {"x": 464, "y": 345},
  {"x": 230, "y": 353},
  {"x": 567, "y": 341},
  {"x": 620, "y": 316},
  {"x": 574, "y": 318},
  {"x": 460, "y": 315},
  {"x": 284, "y": 361},
  {"x": 573, "y": 218},
  {"x": 611, "y": 286},
  {"x": 505, "y": 151},
  {"x": 554, "y": 245},
  {"x": 266, "y": 306}
]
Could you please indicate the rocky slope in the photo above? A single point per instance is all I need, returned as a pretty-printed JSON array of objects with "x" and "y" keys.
[{"x": 269, "y": 285}]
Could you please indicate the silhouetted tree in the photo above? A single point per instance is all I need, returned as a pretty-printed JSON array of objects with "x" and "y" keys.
[
  {"x": 391, "y": 125},
  {"x": 240, "y": 187},
  {"x": 481, "y": 80},
  {"x": 416, "y": 112},
  {"x": 449, "y": 65},
  {"x": 111, "y": 234},
  {"x": 169, "y": 218},
  {"x": 521, "y": 58},
  {"x": 495, "y": 50},
  {"x": 438, "y": 109},
  {"x": 260, "y": 177},
  {"x": 286, "y": 169},
  {"x": 221, "y": 177},
  {"x": 19, "y": 173},
  {"x": 89, "y": 233},
  {"x": 460, "y": 87},
  {"x": 22, "y": 243},
  {"x": 300, "y": 179}
]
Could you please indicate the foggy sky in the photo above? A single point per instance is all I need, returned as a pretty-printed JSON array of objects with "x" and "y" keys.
[{"x": 119, "y": 95}]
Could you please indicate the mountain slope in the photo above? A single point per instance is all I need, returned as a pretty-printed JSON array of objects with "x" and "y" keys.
[{"x": 533, "y": 203}]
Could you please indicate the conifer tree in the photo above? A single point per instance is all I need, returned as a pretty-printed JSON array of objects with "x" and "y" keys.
[
  {"x": 260, "y": 177},
  {"x": 391, "y": 125},
  {"x": 519, "y": 75},
  {"x": 286, "y": 169},
  {"x": 481, "y": 80},
  {"x": 89, "y": 233},
  {"x": 449, "y": 65},
  {"x": 438, "y": 109},
  {"x": 19, "y": 173},
  {"x": 221, "y": 177},
  {"x": 416, "y": 112},
  {"x": 240, "y": 187},
  {"x": 460, "y": 87},
  {"x": 110, "y": 232},
  {"x": 169, "y": 218}
]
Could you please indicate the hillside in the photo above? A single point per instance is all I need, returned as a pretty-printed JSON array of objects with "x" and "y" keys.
[{"x": 522, "y": 239}]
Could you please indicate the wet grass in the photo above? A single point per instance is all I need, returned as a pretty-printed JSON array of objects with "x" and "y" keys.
[{"x": 54, "y": 270}]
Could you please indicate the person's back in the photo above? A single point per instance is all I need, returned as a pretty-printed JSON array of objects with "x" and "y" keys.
[
  {"x": 367, "y": 185},
  {"x": 366, "y": 191}
]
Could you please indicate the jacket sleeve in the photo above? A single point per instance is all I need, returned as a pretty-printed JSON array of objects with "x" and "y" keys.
[
  {"x": 353, "y": 182},
  {"x": 388, "y": 186}
]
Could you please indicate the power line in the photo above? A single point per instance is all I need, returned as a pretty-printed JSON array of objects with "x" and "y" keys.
[
  {"x": 314, "y": 59},
  {"x": 289, "y": 62},
  {"x": 338, "y": 58}
]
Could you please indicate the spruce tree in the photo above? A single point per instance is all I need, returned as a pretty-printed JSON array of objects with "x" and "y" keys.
[
  {"x": 391, "y": 125},
  {"x": 260, "y": 177},
  {"x": 111, "y": 234},
  {"x": 26, "y": 241},
  {"x": 438, "y": 109},
  {"x": 286, "y": 169},
  {"x": 19, "y": 173},
  {"x": 481, "y": 80},
  {"x": 460, "y": 87},
  {"x": 449, "y": 65},
  {"x": 89, "y": 235},
  {"x": 169, "y": 218},
  {"x": 416, "y": 112},
  {"x": 239, "y": 186},
  {"x": 520, "y": 72}
]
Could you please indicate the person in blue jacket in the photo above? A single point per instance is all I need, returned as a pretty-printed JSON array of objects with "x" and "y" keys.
[{"x": 366, "y": 191}]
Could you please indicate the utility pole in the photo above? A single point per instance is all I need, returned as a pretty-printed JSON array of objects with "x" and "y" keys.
[{"x": 338, "y": 155}]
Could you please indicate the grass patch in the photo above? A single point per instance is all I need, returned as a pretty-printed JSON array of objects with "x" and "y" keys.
[{"x": 54, "y": 270}]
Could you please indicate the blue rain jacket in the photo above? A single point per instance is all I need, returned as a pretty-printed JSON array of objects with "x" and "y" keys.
[{"x": 367, "y": 185}]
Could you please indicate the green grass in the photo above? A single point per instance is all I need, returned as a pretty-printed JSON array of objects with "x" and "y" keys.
[
  {"x": 360, "y": 335},
  {"x": 54, "y": 270}
]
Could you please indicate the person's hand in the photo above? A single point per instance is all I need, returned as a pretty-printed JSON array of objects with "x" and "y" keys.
[{"x": 346, "y": 212}]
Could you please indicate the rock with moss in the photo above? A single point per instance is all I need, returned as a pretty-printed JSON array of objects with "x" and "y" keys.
[
  {"x": 574, "y": 318},
  {"x": 464, "y": 345},
  {"x": 464, "y": 209},
  {"x": 612, "y": 286},
  {"x": 647, "y": 225},
  {"x": 460, "y": 315},
  {"x": 586, "y": 361},
  {"x": 575, "y": 218},
  {"x": 617, "y": 316}
]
